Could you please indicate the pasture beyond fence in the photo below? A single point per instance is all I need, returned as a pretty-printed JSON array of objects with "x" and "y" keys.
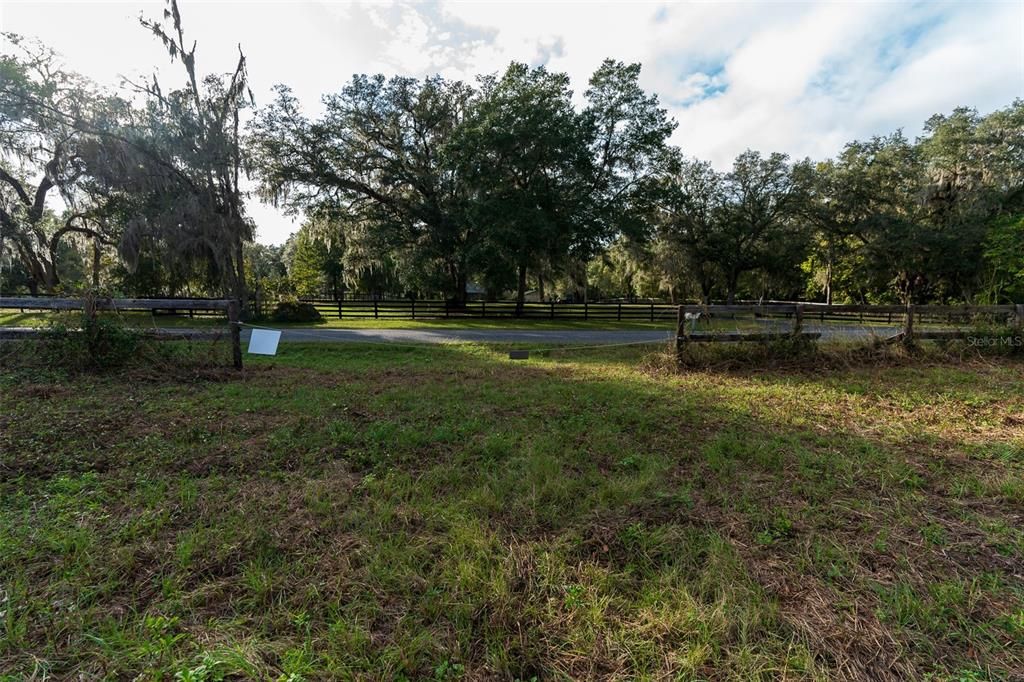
[
  {"x": 228, "y": 307},
  {"x": 911, "y": 321},
  {"x": 772, "y": 321}
]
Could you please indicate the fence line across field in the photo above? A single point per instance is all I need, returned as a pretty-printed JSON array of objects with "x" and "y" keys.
[
  {"x": 229, "y": 307},
  {"x": 910, "y": 319},
  {"x": 773, "y": 320},
  {"x": 424, "y": 309}
]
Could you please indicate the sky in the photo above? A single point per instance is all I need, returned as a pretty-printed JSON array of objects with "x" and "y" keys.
[{"x": 800, "y": 78}]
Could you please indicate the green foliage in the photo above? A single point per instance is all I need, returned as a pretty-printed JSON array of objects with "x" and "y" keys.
[
  {"x": 172, "y": 167},
  {"x": 47, "y": 115},
  {"x": 295, "y": 311},
  {"x": 315, "y": 260},
  {"x": 90, "y": 342},
  {"x": 426, "y": 186},
  {"x": 523, "y": 148},
  {"x": 476, "y": 183},
  {"x": 405, "y": 206},
  {"x": 1004, "y": 251}
]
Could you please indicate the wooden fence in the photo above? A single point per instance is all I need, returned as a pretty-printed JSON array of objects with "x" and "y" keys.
[
  {"x": 909, "y": 318},
  {"x": 227, "y": 307},
  {"x": 409, "y": 309}
]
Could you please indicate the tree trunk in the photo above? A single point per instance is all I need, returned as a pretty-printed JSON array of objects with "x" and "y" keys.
[
  {"x": 95, "y": 263},
  {"x": 540, "y": 286},
  {"x": 457, "y": 279},
  {"x": 521, "y": 291},
  {"x": 730, "y": 294},
  {"x": 707, "y": 287},
  {"x": 34, "y": 267},
  {"x": 460, "y": 285},
  {"x": 241, "y": 292},
  {"x": 51, "y": 279},
  {"x": 828, "y": 281}
]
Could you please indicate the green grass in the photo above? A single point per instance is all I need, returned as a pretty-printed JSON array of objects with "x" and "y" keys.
[
  {"x": 135, "y": 319},
  {"x": 446, "y": 513}
]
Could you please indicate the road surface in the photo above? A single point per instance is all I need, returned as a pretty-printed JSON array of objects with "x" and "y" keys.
[
  {"x": 539, "y": 336},
  {"x": 542, "y": 336}
]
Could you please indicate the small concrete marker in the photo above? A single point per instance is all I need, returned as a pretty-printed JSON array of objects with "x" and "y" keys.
[{"x": 519, "y": 355}]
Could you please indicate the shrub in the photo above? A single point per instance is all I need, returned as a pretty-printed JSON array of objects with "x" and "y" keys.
[
  {"x": 295, "y": 311},
  {"x": 83, "y": 341}
]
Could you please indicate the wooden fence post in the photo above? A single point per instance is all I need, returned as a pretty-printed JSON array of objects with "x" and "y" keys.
[
  {"x": 414, "y": 308},
  {"x": 339, "y": 308},
  {"x": 652, "y": 311},
  {"x": 908, "y": 327},
  {"x": 618, "y": 313},
  {"x": 798, "y": 320},
  {"x": 680, "y": 332},
  {"x": 1018, "y": 319},
  {"x": 375, "y": 309},
  {"x": 552, "y": 310},
  {"x": 585, "y": 310},
  {"x": 236, "y": 332}
]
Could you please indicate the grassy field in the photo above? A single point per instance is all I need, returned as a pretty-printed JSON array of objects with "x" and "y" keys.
[{"x": 445, "y": 513}]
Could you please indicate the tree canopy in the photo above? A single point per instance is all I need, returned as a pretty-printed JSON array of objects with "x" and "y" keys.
[{"x": 514, "y": 182}]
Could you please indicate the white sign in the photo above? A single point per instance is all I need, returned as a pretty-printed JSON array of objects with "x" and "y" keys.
[{"x": 264, "y": 341}]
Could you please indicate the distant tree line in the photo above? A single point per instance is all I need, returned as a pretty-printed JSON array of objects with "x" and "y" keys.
[{"x": 503, "y": 187}]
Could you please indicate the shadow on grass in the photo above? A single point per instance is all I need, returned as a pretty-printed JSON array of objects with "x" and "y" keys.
[{"x": 438, "y": 511}]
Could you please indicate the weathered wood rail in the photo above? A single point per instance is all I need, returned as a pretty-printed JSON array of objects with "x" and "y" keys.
[
  {"x": 905, "y": 316},
  {"x": 229, "y": 307}
]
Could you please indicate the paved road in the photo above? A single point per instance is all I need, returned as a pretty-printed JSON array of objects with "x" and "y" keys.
[
  {"x": 544, "y": 336},
  {"x": 539, "y": 336}
]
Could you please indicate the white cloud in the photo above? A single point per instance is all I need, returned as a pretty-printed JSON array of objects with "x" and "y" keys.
[{"x": 794, "y": 77}]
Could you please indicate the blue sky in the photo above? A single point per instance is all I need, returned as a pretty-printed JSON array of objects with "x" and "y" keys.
[{"x": 802, "y": 78}]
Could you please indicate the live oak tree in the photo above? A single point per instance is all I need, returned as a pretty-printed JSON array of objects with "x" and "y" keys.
[
  {"x": 523, "y": 150},
  {"x": 877, "y": 195},
  {"x": 738, "y": 222},
  {"x": 408, "y": 163},
  {"x": 974, "y": 182},
  {"x": 828, "y": 220},
  {"x": 46, "y": 195},
  {"x": 174, "y": 167},
  {"x": 629, "y": 133},
  {"x": 759, "y": 227},
  {"x": 427, "y": 184},
  {"x": 379, "y": 154},
  {"x": 691, "y": 221}
]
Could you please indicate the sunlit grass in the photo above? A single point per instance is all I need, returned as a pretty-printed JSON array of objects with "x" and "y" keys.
[{"x": 352, "y": 511}]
